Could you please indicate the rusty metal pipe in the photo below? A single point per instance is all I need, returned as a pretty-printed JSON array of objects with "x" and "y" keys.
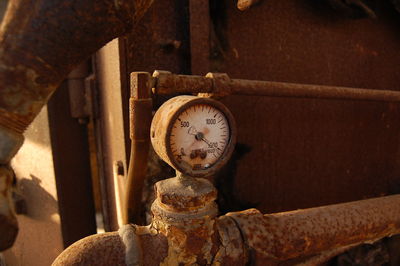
[
  {"x": 168, "y": 83},
  {"x": 185, "y": 230},
  {"x": 288, "y": 235},
  {"x": 114, "y": 249},
  {"x": 140, "y": 120},
  {"x": 41, "y": 41}
]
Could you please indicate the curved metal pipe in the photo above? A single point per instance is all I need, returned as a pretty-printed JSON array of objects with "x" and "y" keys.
[
  {"x": 110, "y": 249},
  {"x": 41, "y": 41},
  {"x": 185, "y": 230}
]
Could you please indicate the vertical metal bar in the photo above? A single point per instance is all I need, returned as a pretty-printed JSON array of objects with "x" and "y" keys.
[
  {"x": 110, "y": 131},
  {"x": 140, "y": 119},
  {"x": 72, "y": 169}
]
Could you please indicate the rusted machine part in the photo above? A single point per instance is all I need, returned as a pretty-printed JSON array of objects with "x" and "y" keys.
[
  {"x": 8, "y": 222},
  {"x": 301, "y": 233},
  {"x": 168, "y": 83},
  {"x": 184, "y": 211},
  {"x": 184, "y": 230},
  {"x": 243, "y": 5},
  {"x": 41, "y": 42},
  {"x": 101, "y": 249},
  {"x": 140, "y": 120},
  {"x": 232, "y": 249},
  {"x": 110, "y": 249},
  {"x": 144, "y": 245}
]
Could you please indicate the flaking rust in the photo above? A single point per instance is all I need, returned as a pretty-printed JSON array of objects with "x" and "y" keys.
[
  {"x": 185, "y": 212},
  {"x": 38, "y": 51},
  {"x": 232, "y": 250},
  {"x": 302, "y": 233},
  {"x": 38, "y": 48},
  {"x": 188, "y": 232}
]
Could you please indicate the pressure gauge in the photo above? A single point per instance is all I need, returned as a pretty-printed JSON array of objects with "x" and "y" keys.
[{"x": 195, "y": 135}]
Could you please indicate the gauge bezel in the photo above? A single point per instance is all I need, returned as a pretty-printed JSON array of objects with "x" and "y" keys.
[{"x": 228, "y": 148}]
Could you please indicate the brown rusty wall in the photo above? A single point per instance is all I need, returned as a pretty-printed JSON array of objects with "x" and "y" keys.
[
  {"x": 313, "y": 152},
  {"x": 307, "y": 42},
  {"x": 160, "y": 40},
  {"x": 303, "y": 152}
]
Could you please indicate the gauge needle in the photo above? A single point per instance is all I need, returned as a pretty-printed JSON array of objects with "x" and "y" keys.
[
  {"x": 205, "y": 140},
  {"x": 199, "y": 136}
]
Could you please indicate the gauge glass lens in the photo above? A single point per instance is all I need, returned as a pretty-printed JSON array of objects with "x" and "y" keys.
[{"x": 199, "y": 137}]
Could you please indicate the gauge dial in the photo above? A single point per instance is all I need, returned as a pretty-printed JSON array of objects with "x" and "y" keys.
[{"x": 199, "y": 134}]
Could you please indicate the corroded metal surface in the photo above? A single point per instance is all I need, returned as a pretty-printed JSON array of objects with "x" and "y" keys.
[
  {"x": 300, "y": 233},
  {"x": 38, "y": 51},
  {"x": 161, "y": 131},
  {"x": 305, "y": 152},
  {"x": 140, "y": 114},
  {"x": 101, "y": 249},
  {"x": 110, "y": 249},
  {"x": 40, "y": 43},
  {"x": 308, "y": 152},
  {"x": 221, "y": 84},
  {"x": 232, "y": 249},
  {"x": 185, "y": 212},
  {"x": 185, "y": 194},
  {"x": 168, "y": 83},
  {"x": 185, "y": 231}
]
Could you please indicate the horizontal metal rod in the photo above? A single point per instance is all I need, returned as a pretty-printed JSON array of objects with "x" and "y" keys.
[
  {"x": 167, "y": 83},
  {"x": 300, "y": 233},
  {"x": 282, "y": 89}
]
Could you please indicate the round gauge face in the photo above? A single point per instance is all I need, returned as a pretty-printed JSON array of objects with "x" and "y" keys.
[{"x": 199, "y": 137}]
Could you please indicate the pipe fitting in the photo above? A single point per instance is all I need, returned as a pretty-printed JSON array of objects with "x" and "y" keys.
[
  {"x": 184, "y": 211},
  {"x": 185, "y": 230}
]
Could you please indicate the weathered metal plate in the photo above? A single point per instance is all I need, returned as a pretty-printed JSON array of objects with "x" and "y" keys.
[
  {"x": 303, "y": 153},
  {"x": 308, "y": 153}
]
